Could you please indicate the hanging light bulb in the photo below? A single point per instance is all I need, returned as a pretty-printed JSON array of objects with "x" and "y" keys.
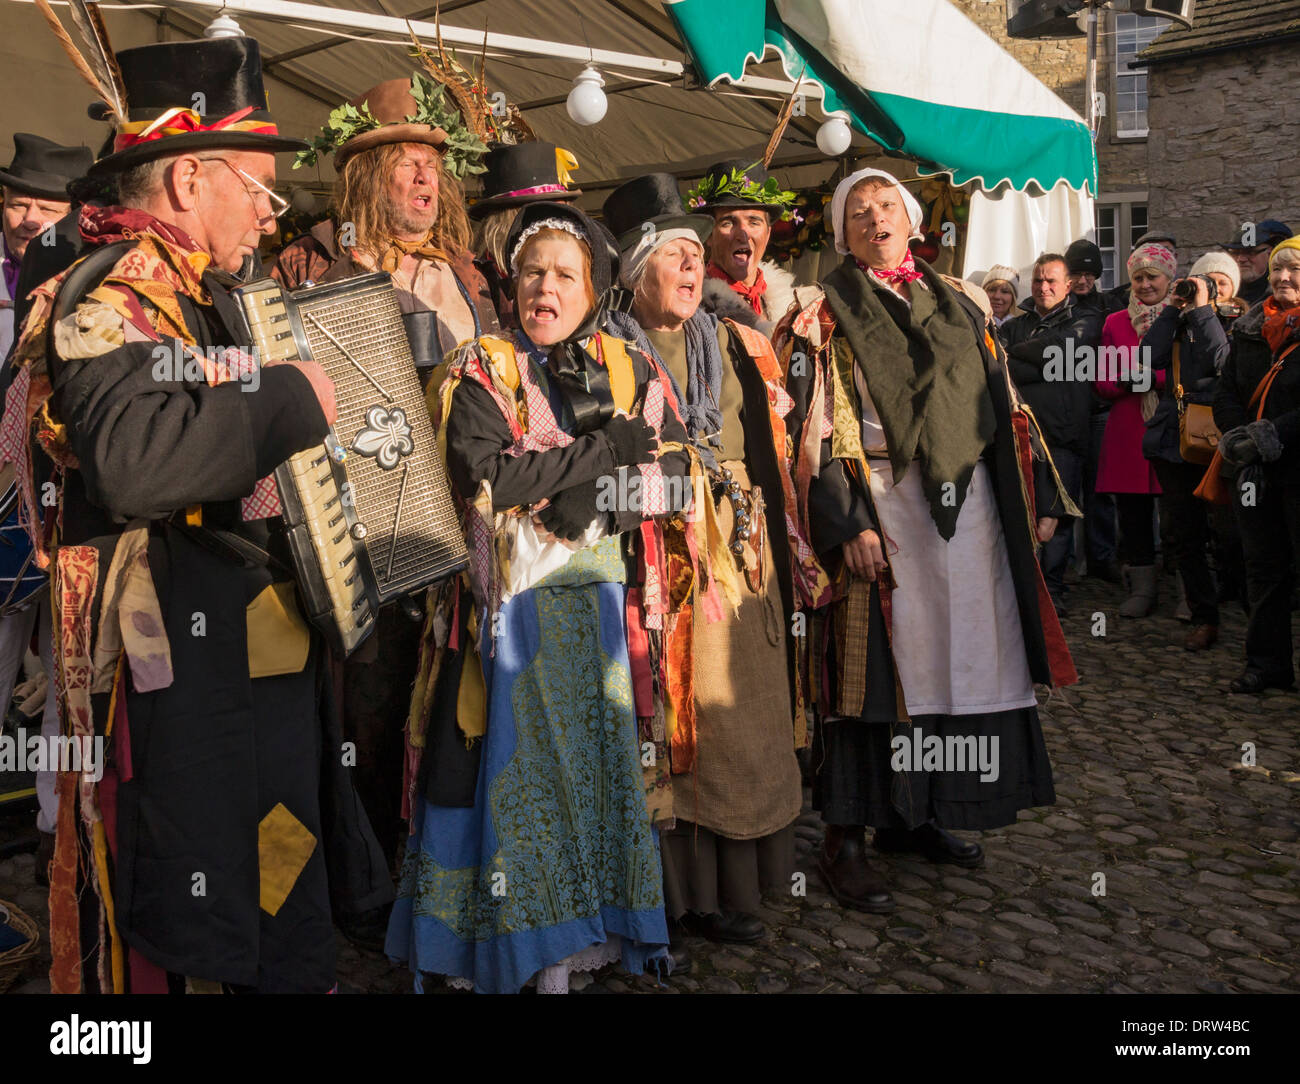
[
  {"x": 223, "y": 26},
  {"x": 587, "y": 102},
  {"x": 834, "y": 136}
]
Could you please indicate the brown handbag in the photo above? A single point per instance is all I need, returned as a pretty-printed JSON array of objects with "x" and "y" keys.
[
  {"x": 1213, "y": 488},
  {"x": 1198, "y": 436}
]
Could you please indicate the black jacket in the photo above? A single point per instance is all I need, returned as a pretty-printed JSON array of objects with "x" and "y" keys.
[
  {"x": 213, "y": 753},
  {"x": 478, "y": 439},
  {"x": 1202, "y": 351},
  {"x": 1249, "y": 358},
  {"x": 1255, "y": 292},
  {"x": 1062, "y": 406}
]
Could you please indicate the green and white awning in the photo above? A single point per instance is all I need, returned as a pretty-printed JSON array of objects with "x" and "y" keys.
[{"x": 917, "y": 77}]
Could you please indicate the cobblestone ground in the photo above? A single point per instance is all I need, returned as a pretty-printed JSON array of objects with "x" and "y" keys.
[{"x": 1200, "y": 854}]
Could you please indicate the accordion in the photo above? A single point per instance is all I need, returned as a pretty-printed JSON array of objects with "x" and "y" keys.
[{"x": 369, "y": 512}]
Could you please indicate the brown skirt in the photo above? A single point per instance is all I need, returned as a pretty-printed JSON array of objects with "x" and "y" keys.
[
  {"x": 746, "y": 781},
  {"x": 709, "y": 874}
]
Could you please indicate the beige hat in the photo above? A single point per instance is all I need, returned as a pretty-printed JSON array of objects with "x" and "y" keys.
[
  {"x": 1221, "y": 263},
  {"x": 1000, "y": 272}
]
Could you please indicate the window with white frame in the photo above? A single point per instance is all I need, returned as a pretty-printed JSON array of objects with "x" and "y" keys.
[
  {"x": 1119, "y": 225},
  {"x": 1132, "y": 34}
]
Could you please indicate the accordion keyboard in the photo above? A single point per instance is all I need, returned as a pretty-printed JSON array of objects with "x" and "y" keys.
[{"x": 320, "y": 528}]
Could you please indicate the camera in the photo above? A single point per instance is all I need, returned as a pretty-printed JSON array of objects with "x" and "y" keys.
[{"x": 1186, "y": 289}]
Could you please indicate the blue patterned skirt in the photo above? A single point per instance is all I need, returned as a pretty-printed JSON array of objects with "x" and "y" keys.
[{"x": 557, "y": 852}]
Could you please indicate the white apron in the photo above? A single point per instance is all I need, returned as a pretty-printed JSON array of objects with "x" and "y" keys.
[{"x": 957, "y": 642}]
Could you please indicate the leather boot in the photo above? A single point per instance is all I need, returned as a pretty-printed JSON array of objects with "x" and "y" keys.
[
  {"x": 732, "y": 928},
  {"x": 1141, "y": 582},
  {"x": 932, "y": 842},
  {"x": 1201, "y": 638},
  {"x": 852, "y": 881}
]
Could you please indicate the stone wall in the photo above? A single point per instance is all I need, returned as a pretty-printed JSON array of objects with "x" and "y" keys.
[{"x": 1218, "y": 155}]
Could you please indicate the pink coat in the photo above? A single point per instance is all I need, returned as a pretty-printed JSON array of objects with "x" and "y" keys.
[{"x": 1122, "y": 468}]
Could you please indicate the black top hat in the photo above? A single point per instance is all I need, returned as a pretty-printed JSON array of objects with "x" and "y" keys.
[
  {"x": 214, "y": 89},
  {"x": 599, "y": 242},
  {"x": 728, "y": 201},
  {"x": 519, "y": 173},
  {"x": 653, "y": 198},
  {"x": 44, "y": 168}
]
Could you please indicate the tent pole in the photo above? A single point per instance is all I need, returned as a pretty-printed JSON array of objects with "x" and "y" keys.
[{"x": 1090, "y": 80}]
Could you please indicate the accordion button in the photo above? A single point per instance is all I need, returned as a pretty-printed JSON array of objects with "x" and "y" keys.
[{"x": 358, "y": 531}]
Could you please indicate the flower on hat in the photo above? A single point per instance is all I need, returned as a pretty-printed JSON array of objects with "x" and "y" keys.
[{"x": 738, "y": 183}]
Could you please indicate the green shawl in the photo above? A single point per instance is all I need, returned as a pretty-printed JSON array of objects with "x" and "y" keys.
[{"x": 925, "y": 376}]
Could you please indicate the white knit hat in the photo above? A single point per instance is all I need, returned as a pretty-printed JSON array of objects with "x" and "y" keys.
[
  {"x": 1000, "y": 272},
  {"x": 1221, "y": 263},
  {"x": 841, "y": 197}
]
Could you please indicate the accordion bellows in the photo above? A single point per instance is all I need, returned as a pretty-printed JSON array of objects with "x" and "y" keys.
[{"x": 369, "y": 512}]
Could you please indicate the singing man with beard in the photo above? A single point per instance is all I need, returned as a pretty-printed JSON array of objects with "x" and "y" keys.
[
  {"x": 399, "y": 207},
  {"x": 738, "y": 283}
]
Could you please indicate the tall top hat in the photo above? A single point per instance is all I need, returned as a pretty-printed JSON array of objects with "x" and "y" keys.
[
  {"x": 43, "y": 168},
  {"x": 653, "y": 199},
  {"x": 736, "y": 184},
  {"x": 190, "y": 95},
  {"x": 519, "y": 173}
]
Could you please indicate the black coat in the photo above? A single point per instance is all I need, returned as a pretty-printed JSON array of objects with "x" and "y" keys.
[
  {"x": 840, "y": 505},
  {"x": 478, "y": 436},
  {"x": 1202, "y": 351},
  {"x": 1063, "y": 407},
  {"x": 1249, "y": 358},
  {"x": 212, "y": 754}
]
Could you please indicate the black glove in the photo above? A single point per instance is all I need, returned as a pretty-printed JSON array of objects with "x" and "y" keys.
[
  {"x": 1264, "y": 434},
  {"x": 572, "y": 511},
  {"x": 632, "y": 439},
  {"x": 1238, "y": 447}
]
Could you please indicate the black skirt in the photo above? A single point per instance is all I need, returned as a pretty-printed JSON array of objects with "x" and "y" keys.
[{"x": 856, "y": 782}]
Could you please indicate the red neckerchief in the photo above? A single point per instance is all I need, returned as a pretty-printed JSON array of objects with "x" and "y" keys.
[
  {"x": 904, "y": 272},
  {"x": 104, "y": 225},
  {"x": 752, "y": 294},
  {"x": 1281, "y": 325}
]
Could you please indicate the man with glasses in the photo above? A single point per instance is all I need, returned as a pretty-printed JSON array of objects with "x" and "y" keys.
[
  {"x": 1253, "y": 259},
  {"x": 221, "y": 793}
]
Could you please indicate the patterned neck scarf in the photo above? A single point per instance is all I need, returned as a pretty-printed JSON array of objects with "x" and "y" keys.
[
  {"x": 1281, "y": 325},
  {"x": 397, "y": 250},
  {"x": 1143, "y": 316},
  {"x": 169, "y": 262},
  {"x": 904, "y": 272},
  {"x": 752, "y": 294}
]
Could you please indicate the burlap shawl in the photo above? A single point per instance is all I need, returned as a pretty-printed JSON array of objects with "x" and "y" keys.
[{"x": 926, "y": 379}]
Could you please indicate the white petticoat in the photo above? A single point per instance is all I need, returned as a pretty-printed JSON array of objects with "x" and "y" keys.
[
  {"x": 957, "y": 641},
  {"x": 555, "y": 979}
]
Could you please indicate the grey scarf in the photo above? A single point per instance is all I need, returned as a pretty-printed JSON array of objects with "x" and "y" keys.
[{"x": 701, "y": 410}]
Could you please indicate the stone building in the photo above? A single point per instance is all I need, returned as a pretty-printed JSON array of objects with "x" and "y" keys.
[{"x": 1223, "y": 126}]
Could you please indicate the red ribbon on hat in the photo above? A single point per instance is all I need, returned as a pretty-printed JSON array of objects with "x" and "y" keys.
[{"x": 181, "y": 121}]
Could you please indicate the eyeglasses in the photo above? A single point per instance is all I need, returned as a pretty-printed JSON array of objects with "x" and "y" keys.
[{"x": 279, "y": 205}]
